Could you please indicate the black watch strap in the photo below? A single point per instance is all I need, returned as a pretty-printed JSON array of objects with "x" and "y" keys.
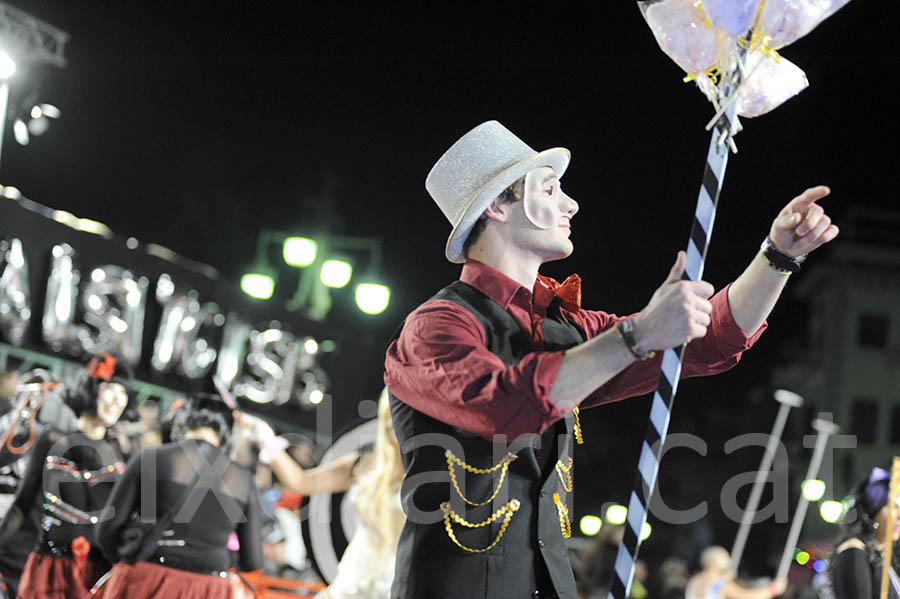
[
  {"x": 777, "y": 260},
  {"x": 626, "y": 331}
]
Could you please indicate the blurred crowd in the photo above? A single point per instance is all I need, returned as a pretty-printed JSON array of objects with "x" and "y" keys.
[{"x": 285, "y": 474}]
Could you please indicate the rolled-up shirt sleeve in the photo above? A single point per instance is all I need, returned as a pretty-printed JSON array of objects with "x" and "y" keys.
[
  {"x": 440, "y": 366},
  {"x": 719, "y": 350}
]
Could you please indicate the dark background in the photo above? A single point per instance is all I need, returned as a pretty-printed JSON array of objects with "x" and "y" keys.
[{"x": 196, "y": 125}]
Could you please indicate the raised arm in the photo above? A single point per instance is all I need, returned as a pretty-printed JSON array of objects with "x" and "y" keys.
[
  {"x": 333, "y": 477},
  {"x": 801, "y": 227}
]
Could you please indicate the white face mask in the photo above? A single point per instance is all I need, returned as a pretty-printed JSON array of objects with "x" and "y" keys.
[{"x": 541, "y": 209}]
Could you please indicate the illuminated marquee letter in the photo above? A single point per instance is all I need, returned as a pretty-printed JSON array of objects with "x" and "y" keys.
[{"x": 15, "y": 299}]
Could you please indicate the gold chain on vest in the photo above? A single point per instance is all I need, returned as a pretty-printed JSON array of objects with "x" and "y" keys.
[
  {"x": 564, "y": 472},
  {"x": 507, "y": 510},
  {"x": 503, "y": 465},
  {"x": 578, "y": 438},
  {"x": 564, "y": 525}
]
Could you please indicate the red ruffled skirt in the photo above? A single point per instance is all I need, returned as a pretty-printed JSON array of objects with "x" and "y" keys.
[
  {"x": 144, "y": 580},
  {"x": 49, "y": 577}
]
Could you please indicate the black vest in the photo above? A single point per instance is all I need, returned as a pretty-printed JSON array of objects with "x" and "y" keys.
[{"x": 526, "y": 500}]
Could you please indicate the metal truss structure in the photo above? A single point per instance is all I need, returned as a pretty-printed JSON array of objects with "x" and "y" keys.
[{"x": 31, "y": 39}]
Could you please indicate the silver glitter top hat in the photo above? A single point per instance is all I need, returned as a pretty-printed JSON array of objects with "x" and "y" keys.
[{"x": 476, "y": 169}]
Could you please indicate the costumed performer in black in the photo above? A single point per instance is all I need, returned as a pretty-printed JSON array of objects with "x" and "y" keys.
[
  {"x": 38, "y": 404},
  {"x": 855, "y": 568},
  {"x": 504, "y": 355},
  {"x": 67, "y": 483},
  {"x": 174, "y": 509}
]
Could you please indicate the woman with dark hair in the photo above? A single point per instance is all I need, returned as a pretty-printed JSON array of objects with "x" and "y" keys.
[
  {"x": 66, "y": 484},
  {"x": 173, "y": 510},
  {"x": 857, "y": 562}
]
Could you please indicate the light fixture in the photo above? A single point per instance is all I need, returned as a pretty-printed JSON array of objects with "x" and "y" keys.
[
  {"x": 802, "y": 558},
  {"x": 372, "y": 298},
  {"x": 20, "y": 132},
  {"x": 831, "y": 511},
  {"x": 645, "y": 531},
  {"x": 299, "y": 251},
  {"x": 7, "y": 66},
  {"x": 36, "y": 123},
  {"x": 259, "y": 285},
  {"x": 813, "y": 489},
  {"x": 336, "y": 273},
  {"x": 616, "y": 514},
  {"x": 590, "y": 525}
]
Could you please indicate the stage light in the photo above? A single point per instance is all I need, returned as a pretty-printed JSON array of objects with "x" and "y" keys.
[
  {"x": 590, "y": 525},
  {"x": 258, "y": 285},
  {"x": 616, "y": 514},
  {"x": 48, "y": 110},
  {"x": 7, "y": 66},
  {"x": 803, "y": 558},
  {"x": 831, "y": 511},
  {"x": 311, "y": 346},
  {"x": 336, "y": 273},
  {"x": 813, "y": 489},
  {"x": 20, "y": 132},
  {"x": 372, "y": 298},
  {"x": 819, "y": 565},
  {"x": 316, "y": 396},
  {"x": 645, "y": 531},
  {"x": 299, "y": 251}
]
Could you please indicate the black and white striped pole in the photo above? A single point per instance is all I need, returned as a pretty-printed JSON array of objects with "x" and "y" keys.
[{"x": 663, "y": 398}]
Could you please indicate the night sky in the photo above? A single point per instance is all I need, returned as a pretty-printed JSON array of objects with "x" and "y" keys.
[{"x": 198, "y": 125}]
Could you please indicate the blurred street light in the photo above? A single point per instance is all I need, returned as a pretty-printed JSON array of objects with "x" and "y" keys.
[
  {"x": 258, "y": 285},
  {"x": 831, "y": 511},
  {"x": 326, "y": 270},
  {"x": 813, "y": 489},
  {"x": 336, "y": 273},
  {"x": 372, "y": 298},
  {"x": 299, "y": 251},
  {"x": 616, "y": 514},
  {"x": 590, "y": 525}
]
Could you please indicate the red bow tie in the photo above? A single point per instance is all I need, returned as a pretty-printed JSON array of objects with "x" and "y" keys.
[{"x": 568, "y": 292}]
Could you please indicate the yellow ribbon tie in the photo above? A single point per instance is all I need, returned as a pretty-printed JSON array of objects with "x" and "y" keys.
[{"x": 699, "y": 6}]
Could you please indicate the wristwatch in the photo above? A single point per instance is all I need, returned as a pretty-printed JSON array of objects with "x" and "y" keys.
[
  {"x": 626, "y": 331},
  {"x": 779, "y": 261}
]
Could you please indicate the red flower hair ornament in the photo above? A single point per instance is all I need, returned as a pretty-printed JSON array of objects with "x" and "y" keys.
[{"x": 101, "y": 367}]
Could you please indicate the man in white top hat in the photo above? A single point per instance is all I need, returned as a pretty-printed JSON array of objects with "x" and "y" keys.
[{"x": 504, "y": 355}]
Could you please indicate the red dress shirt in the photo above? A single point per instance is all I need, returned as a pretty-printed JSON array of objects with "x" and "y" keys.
[{"x": 440, "y": 365}]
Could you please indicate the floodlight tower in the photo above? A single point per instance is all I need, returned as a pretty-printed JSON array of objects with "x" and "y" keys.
[{"x": 25, "y": 38}]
